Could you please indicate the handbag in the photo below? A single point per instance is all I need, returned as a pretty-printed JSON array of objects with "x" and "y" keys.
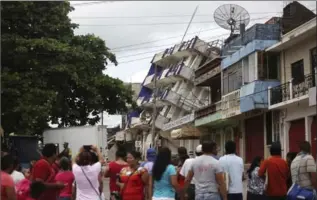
[
  {"x": 91, "y": 185},
  {"x": 297, "y": 192}
]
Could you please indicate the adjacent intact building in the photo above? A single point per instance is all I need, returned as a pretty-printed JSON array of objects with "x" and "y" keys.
[
  {"x": 297, "y": 67},
  {"x": 239, "y": 100}
]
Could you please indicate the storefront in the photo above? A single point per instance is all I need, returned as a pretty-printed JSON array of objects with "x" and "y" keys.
[{"x": 296, "y": 134}]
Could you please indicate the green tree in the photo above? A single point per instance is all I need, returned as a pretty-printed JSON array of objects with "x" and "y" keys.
[{"x": 51, "y": 75}]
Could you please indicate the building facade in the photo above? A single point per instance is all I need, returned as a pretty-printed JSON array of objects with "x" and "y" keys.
[
  {"x": 297, "y": 66},
  {"x": 177, "y": 97},
  {"x": 257, "y": 88}
]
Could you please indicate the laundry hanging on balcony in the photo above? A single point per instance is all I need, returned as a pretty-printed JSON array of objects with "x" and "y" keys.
[{"x": 187, "y": 132}]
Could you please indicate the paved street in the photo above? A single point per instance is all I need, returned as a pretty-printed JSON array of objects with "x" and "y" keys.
[{"x": 107, "y": 193}]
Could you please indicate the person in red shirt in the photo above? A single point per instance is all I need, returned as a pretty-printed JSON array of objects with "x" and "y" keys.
[
  {"x": 43, "y": 171},
  {"x": 7, "y": 184},
  {"x": 67, "y": 177},
  {"x": 114, "y": 169},
  {"x": 277, "y": 173},
  {"x": 134, "y": 179}
]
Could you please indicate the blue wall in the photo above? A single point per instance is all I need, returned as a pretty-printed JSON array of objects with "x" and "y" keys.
[
  {"x": 255, "y": 95},
  {"x": 255, "y": 32},
  {"x": 255, "y": 45}
]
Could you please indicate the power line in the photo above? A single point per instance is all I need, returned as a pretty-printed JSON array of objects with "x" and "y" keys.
[
  {"x": 154, "y": 51},
  {"x": 91, "y": 3},
  {"x": 152, "y": 24},
  {"x": 154, "y": 16},
  {"x": 153, "y": 41},
  {"x": 128, "y": 61}
]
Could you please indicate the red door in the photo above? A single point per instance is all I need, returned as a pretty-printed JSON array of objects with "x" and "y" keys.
[
  {"x": 313, "y": 136},
  {"x": 296, "y": 134},
  {"x": 254, "y": 132}
]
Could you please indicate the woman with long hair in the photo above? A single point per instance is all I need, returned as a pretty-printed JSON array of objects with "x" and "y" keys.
[
  {"x": 133, "y": 179},
  {"x": 113, "y": 169},
  {"x": 163, "y": 181},
  {"x": 87, "y": 174},
  {"x": 256, "y": 184}
]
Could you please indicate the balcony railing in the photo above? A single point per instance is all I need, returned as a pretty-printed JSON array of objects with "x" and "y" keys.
[
  {"x": 160, "y": 121},
  {"x": 230, "y": 104},
  {"x": 206, "y": 76},
  {"x": 195, "y": 43},
  {"x": 290, "y": 91},
  {"x": 178, "y": 100},
  {"x": 148, "y": 82},
  {"x": 210, "y": 109},
  {"x": 176, "y": 71}
]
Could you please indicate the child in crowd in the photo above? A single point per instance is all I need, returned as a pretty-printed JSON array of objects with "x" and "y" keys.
[{"x": 66, "y": 176}]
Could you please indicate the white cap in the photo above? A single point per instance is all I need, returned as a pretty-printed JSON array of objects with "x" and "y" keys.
[{"x": 199, "y": 149}]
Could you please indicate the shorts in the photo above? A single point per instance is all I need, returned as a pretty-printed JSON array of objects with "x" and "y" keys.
[{"x": 208, "y": 196}]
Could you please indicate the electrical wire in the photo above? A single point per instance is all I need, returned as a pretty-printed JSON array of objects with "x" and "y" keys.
[
  {"x": 159, "y": 50},
  {"x": 155, "y": 24},
  {"x": 156, "y": 16},
  {"x": 115, "y": 49}
]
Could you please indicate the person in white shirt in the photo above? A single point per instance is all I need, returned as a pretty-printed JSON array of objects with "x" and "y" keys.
[
  {"x": 16, "y": 175},
  {"x": 185, "y": 169},
  {"x": 233, "y": 166}
]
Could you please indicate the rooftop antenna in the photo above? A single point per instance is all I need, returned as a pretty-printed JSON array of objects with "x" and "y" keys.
[
  {"x": 231, "y": 17},
  {"x": 191, "y": 19}
]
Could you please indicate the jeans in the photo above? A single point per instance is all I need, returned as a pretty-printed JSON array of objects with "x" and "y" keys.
[
  {"x": 191, "y": 192},
  {"x": 237, "y": 196},
  {"x": 207, "y": 196},
  {"x": 64, "y": 198}
]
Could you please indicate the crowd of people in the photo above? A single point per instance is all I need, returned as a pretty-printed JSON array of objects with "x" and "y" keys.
[{"x": 207, "y": 176}]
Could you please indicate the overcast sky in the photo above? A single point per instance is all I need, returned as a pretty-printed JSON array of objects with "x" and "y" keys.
[{"x": 117, "y": 23}]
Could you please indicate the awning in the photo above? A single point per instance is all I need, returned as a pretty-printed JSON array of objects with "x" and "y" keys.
[{"x": 186, "y": 132}]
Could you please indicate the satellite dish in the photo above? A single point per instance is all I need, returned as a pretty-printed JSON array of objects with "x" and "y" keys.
[{"x": 231, "y": 17}]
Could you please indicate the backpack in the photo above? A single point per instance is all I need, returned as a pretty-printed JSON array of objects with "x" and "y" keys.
[{"x": 23, "y": 189}]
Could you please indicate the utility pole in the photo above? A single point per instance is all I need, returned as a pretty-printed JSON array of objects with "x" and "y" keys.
[
  {"x": 154, "y": 113},
  {"x": 190, "y": 21}
]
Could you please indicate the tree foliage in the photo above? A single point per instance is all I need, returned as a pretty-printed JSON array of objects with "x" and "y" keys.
[{"x": 51, "y": 75}]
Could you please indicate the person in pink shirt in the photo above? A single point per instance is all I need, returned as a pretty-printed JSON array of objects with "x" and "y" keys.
[
  {"x": 66, "y": 176},
  {"x": 7, "y": 183}
]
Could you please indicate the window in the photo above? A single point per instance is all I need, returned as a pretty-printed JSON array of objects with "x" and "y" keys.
[
  {"x": 232, "y": 79},
  {"x": 313, "y": 58},
  {"x": 268, "y": 128},
  {"x": 298, "y": 72},
  {"x": 276, "y": 126}
]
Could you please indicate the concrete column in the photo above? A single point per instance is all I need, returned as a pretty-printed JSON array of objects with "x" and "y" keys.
[
  {"x": 264, "y": 135},
  {"x": 286, "y": 128},
  {"x": 308, "y": 122}
]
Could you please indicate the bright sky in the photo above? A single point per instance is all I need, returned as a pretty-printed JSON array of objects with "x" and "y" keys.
[{"x": 136, "y": 30}]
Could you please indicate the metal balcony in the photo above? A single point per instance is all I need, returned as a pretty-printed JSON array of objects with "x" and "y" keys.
[
  {"x": 149, "y": 81},
  {"x": 170, "y": 97},
  {"x": 179, "y": 51},
  {"x": 174, "y": 74},
  {"x": 160, "y": 121},
  {"x": 289, "y": 93},
  {"x": 208, "y": 110},
  {"x": 230, "y": 104}
]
